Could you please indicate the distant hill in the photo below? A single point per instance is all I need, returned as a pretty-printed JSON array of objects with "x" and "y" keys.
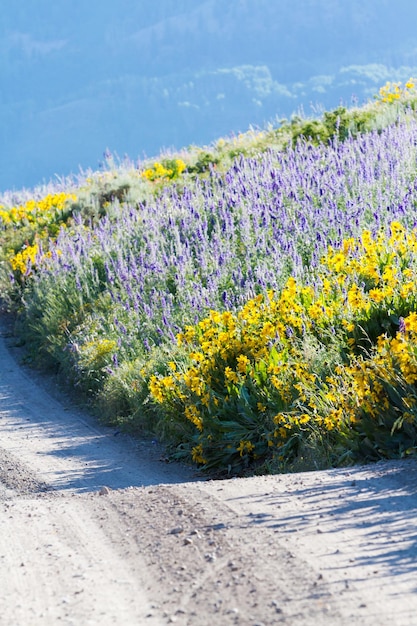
[{"x": 136, "y": 76}]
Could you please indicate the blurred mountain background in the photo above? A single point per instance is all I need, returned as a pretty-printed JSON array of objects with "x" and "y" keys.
[{"x": 139, "y": 76}]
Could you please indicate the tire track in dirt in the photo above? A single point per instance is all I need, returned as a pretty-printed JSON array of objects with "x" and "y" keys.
[{"x": 95, "y": 529}]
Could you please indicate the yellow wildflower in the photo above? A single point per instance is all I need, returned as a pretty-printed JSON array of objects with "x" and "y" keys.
[
  {"x": 242, "y": 363},
  {"x": 245, "y": 447},
  {"x": 231, "y": 375},
  {"x": 197, "y": 454}
]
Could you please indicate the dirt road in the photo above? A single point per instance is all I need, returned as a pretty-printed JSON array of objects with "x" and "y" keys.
[{"x": 98, "y": 529}]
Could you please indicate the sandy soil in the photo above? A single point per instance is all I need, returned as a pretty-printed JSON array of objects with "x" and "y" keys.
[{"x": 97, "y": 528}]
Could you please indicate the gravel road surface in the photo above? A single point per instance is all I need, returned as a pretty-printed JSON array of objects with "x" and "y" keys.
[{"x": 97, "y": 528}]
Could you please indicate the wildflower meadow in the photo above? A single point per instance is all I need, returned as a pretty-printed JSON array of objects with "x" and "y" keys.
[{"x": 252, "y": 303}]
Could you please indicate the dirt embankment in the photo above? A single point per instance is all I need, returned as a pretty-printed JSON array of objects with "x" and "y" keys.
[{"x": 97, "y": 528}]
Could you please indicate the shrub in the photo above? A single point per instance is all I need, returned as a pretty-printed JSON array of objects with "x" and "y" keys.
[{"x": 325, "y": 361}]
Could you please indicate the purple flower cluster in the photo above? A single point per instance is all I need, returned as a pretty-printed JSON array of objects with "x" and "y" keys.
[{"x": 223, "y": 239}]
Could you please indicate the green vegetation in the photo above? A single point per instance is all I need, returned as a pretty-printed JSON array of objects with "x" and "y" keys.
[{"x": 250, "y": 302}]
